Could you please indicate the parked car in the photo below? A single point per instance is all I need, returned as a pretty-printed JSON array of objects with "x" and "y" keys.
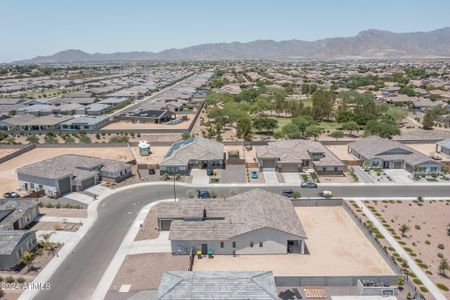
[
  {"x": 10, "y": 195},
  {"x": 287, "y": 193},
  {"x": 203, "y": 194},
  {"x": 309, "y": 185},
  {"x": 248, "y": 146},
  {"x": 151, "y": 172},
  {"x": 326, "y": 194},
  {"x": 254, "y": 174},
  {"x": 209, "y": 171}
]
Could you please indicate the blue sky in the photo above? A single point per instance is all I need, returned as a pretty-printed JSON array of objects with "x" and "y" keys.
[{"x": 42, "y": 27}]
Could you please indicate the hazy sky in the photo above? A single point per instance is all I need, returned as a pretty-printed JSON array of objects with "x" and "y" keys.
[{"x": 42, "y": 27}]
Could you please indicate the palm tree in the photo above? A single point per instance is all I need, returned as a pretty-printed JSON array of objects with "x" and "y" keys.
[{"x": 27, "y": 259}]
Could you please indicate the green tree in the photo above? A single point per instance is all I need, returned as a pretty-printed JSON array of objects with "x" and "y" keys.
[
  {"x": 384, "y": 130},
  {"x": 323, "y": 104},
  {"x": 394, "y": 115},
  {"x": 313, "y": 130},
  {"x": 244, "y": 128},
  {"x": 337, "y": 134},
  {"x": 345, "y": 116},
  {"x": 27, "y": 259},
  {"x": 350, "y": 126},
  {"x": 261, "y": 123},
  {"x": 302, "y": 122},
  {"x": 428, "y": 120},
  {"x": 291, "y": 131}
]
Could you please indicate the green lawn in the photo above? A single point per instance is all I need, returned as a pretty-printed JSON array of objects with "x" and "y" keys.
[
  {"x": 281, "y": 121},
  {"x": 329, "y": 125}
]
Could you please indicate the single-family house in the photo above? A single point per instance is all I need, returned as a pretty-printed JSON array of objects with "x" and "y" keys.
[
  {"x": 18, "y": 213},
  {"x": 387, "y": 154},
  {"x": 13, "y": 244},
  {"x": 194, "y": 152},
  {"x": 67, "y": 173},
  {"x": 253, "y": 222},
  {"x": 298, "y": 155},
  {"x": 148, "y": 116}
]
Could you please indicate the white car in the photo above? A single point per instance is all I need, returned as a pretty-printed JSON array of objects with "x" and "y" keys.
[{"x": 326, "y": 194}]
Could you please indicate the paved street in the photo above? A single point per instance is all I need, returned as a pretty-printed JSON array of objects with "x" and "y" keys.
[{"x": 80, "y": 273}]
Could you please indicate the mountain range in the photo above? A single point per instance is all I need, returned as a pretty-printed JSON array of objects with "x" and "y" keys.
[{"x": 368, "y": 44}]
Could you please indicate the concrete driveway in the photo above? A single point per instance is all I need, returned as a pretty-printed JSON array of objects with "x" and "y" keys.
[
  {"x": 234, "y": 174},
  {"x": 270, "y": 177},
  {"x": 291, "y": 177},
  {"x": 199, "y": 176},
  {"x": 399, "y": 175}
]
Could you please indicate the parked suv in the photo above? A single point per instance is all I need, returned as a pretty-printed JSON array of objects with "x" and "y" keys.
[
  {"x": 202, "y": 194},
  {"x": 209, "y": 171},
  {"x": 10, "y": 195},
  {"x": 287, "y": 193}
]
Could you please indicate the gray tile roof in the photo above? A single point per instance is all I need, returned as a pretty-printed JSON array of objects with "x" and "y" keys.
[
  {"x": 230, "y": 217},
  {"x": 217, "y": 285},
  {"x": 9, "y": 239},
  {"x": 67, "y": 164},
  {"x": 13, "y": 209},
  {"x": 194, "y": 148},
  {"x": 294, "y": 151}
]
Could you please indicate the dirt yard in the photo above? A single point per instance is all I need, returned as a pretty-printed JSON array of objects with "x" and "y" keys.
[
  {"x": 129, "y": 125},
  {"x": 341, "y": 151},
  {"x": 428, "y": 222},
  {"x": 4, "y": 152},
  {"x": 428, "y": 149},
  {"x": 155, "y": 157},
  {"x": 336, "y": 244},
  {"x": 8, "y": 177},
  {"x": 144, "y": 271},
  {"x": 63, "y": 212},
  {"x": 149, "y": 230}
]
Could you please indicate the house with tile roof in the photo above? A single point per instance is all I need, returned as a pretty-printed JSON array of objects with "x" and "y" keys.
[
  {"x": 253, "y": 222},
  {"x": 387, "y": 154},
  {"x": 298, "y": 155}
]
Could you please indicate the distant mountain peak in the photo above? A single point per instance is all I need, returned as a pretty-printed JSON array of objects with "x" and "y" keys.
[{"x": 367, "y": 44}]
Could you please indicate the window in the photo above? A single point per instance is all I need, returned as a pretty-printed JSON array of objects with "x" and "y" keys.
[
  {"x": 222, "y": 244},
  {"x": 260, "y": 244},
  {"x": 234, "y": 244},
  {"x": 251, "y": 244}
]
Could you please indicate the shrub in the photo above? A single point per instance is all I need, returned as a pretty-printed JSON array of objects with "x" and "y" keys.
[
  {"x": 442, "y": 287},
  {"x": 423, "y": 266},
  {"x": 440, "y": 255},
  {"x": 417, "y": 281},
  {"x": 417, "y": 227},
  {"x": 423, "y": 289},
  {"x": 9, "y": 279},
  {"x": 20, "y": 279},
  {"x": 427, "y": 242},
  {"x": 441, "y": 246}
]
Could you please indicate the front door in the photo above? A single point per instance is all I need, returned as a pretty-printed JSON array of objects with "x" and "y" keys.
[
  {"x": 204, "y": 249},
  {"x": 385, "y": 164}
]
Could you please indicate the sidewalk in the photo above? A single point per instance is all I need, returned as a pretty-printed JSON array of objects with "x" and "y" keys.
[
  {"x": 129, "y": 246},
  {"x": 412, "y": 264}
]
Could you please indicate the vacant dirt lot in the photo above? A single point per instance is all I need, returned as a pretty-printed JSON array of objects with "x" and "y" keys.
[
  {"x": 336, "y": 244},
  {"x": 155, "y": 157},
  {"x": 341, "y": 151},
  {"x": 144, "y": 271},
  {"x": 63, "y": 212},
  {"x": 427, "y": 222},
  {"x": 8, "y": 177}
]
